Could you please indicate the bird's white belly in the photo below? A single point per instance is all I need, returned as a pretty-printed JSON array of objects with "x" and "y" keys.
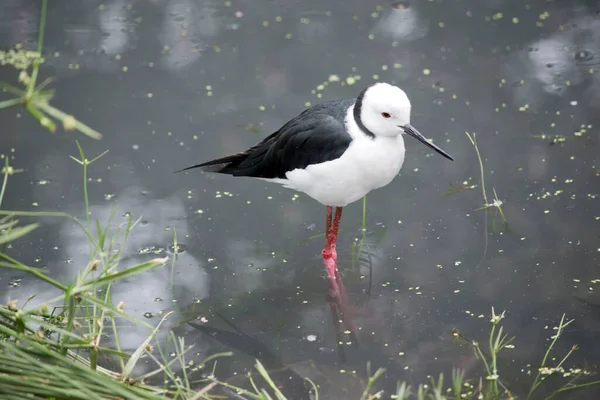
[{"x": 367, "y": 164}]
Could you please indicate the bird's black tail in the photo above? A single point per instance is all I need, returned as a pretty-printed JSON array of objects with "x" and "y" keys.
[
  {"x": 220, "y": 165},
  {"x": 245, "y": 163}
]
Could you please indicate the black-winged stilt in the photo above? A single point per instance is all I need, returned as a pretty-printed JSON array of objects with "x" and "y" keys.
[{"x": 335, "y": 152}]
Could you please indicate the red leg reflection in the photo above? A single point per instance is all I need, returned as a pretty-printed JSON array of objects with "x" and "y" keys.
[{"x": 337, "y": 296}]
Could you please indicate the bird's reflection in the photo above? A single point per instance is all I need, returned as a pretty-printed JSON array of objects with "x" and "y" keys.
[{"x": 278, "y": 371}]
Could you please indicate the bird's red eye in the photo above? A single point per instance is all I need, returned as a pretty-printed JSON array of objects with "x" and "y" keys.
[{"x": 385, "y": 115}]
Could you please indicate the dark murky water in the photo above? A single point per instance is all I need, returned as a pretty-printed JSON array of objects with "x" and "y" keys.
[{"x": 171, "y": 83}]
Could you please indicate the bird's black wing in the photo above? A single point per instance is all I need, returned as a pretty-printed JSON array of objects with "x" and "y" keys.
[{"x": 313, "y": 137}]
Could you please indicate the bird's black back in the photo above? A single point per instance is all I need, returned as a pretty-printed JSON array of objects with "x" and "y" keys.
[{"x": 316, "y": 135}]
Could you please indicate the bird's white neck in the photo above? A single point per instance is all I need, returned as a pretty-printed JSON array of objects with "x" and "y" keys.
[
  {"x": 351, "y": 126},
  {"x": 357, "y": 133}
]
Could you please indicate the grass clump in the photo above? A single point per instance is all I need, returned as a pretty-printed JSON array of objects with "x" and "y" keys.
[
  {"x": 34, "y": 364},
  {"x": 491, "y": 386},
  {"x": 41, "y": 348}
]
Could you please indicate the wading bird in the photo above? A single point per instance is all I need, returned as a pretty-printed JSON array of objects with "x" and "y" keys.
[{"x": 336, "y": 152}]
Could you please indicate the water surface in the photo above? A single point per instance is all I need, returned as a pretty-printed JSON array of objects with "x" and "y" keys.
[{"x": 173, "y": 83}]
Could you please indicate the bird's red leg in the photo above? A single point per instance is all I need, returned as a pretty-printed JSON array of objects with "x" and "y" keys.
[
  {"x": 335, "y": 227},
  {"x": 329, "y": 252},
  {"x": 334, "y": 230},
  {"x": 328, "y": 216},
  {"x": 329, "y": 256}
]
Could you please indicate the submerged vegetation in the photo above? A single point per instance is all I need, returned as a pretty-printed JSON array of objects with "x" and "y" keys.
[
  {"x": 55, "y": 350},
  {"x": 496, "y": 204}
]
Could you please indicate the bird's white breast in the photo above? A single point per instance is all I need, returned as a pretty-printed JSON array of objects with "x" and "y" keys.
[{"x": 367, "y": 164}]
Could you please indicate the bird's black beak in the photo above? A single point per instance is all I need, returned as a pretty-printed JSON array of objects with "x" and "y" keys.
[{"x": 410, "y": 130}]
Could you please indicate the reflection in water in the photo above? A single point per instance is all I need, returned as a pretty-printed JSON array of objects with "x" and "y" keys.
[
  {"x": 19, "y": 23},
  {"x": 499, "y": 68},
  {"x": 560, "y": 61},
  {"x": 184, "y": 30},
  {"x": 291, "y": 381},
  {"x": 113, "y": 23},
  {"x": 400, "y": 23}
]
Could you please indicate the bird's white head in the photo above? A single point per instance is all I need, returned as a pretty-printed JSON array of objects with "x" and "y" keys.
[{"x": 383, "y": 110}]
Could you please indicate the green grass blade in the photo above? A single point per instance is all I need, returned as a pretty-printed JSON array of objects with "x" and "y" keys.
[
  {"x": 62, "y": 116},
  {"x": 38, "y": 273},
  {"x": 15, "y": 233},
  {"x": 135, "y": 357},
  {"x": 10, "y": 103},
  {"x": 36, "y": 62},
  {"x": 123, "y": 274},
  {"x": 43, "y": 119},
  {"x": 12, "y": 89},
  {"x": 263, "y": 372}
]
